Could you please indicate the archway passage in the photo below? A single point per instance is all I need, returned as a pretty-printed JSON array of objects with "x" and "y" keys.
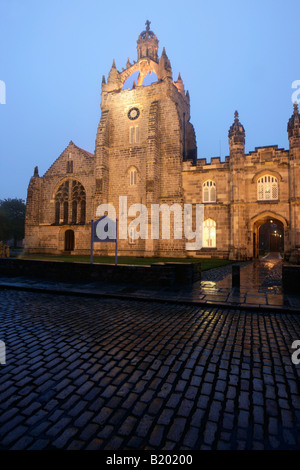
[
  {"x": 69, "y": 240},
  {"x": 268, "y": 237}
]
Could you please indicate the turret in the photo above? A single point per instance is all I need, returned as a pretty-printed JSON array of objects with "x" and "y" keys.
[
  {"x": 33, "y": 199},
  {"x": 293, "y": 128},
  {"x": 236, "y": 133},
  {"x": 113, "y": 81},
  {"x": 236, "y": 137}
]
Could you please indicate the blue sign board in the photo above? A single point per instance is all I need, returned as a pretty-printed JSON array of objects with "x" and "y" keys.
[{"x": 104, "y": 230}]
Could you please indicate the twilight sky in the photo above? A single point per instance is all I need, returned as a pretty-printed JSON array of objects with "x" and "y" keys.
[{"x": 236, "y": 54}]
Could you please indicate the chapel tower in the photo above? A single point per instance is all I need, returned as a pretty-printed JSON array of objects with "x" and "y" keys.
[{"x": 143, "y": 137}]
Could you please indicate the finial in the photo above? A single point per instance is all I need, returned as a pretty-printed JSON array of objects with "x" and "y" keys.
[
  {"x": 103, "y": 79},
  {"x": 148, "y": 25},
  {"x": 179, "y": 77},
  {"x": 133, "y": 85},
  {"x": 295, "y": 107},
  {"x": 164, "y": 54},
  {"x": 113, "y": 64},
  {"x": 36, "y": 171},
  {"x": 236, "y": 115}
]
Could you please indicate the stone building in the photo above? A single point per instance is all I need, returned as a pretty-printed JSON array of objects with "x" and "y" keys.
[{"x": 146, "y": 150}]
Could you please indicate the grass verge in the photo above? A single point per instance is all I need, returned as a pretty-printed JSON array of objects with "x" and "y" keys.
[{"x": 205, "y": 262}]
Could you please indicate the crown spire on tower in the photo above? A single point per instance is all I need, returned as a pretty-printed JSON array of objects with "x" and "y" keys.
[{"x": 147, "y": 44}]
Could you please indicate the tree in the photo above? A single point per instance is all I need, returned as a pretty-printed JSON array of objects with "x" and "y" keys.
[{"x": 12, "y": 219}]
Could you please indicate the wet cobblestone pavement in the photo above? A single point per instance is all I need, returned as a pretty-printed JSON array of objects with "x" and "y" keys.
[
  {"x": 84, "y": 373},
  {"x": 260, "y": 288}
]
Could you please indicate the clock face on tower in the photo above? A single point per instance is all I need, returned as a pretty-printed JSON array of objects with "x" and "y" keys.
[{"x": 133, "y": 113}]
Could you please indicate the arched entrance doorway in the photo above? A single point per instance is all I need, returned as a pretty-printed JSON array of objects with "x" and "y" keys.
[
  {"x": 271, "y": 237},
  {"x": 268, "y": 236},
  {"x": 69, "y": 240}
]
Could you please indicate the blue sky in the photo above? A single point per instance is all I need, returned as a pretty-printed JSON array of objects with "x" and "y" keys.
[{"x": 231, "y": 55}]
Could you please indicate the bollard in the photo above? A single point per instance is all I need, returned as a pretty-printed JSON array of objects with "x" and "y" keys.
[{"x": 236, "y": 279}]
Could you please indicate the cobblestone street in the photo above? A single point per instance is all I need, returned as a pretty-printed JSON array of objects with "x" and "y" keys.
[{"x": 82, "y": 373}]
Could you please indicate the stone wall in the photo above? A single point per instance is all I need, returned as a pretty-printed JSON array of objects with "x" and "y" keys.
[{"x": 157, "y": 274}]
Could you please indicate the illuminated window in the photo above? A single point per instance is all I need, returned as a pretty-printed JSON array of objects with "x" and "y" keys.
[
  {"x": 267, "y": 188},
  {"x": 209, "y": 191},
  {"x": 209, "y": 233},
  {"x": 132, "y": 177}
]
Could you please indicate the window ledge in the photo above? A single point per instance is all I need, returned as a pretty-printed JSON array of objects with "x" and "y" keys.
[{"x": 268, "y": 201}]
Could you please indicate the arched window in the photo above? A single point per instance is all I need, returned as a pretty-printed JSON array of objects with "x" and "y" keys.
[
  {"x": 209, "y": 191},
  {"x": 267, "y": 188},
  {"x": 70, "y": 199},
  {"x": 132, "y": 177},
  {"x": 209, "y": 234}
]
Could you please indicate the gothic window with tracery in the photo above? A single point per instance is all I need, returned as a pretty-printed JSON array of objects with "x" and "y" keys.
[
  {"x": 70, "y": 199},
  {"x": 209, "y": 191}
]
